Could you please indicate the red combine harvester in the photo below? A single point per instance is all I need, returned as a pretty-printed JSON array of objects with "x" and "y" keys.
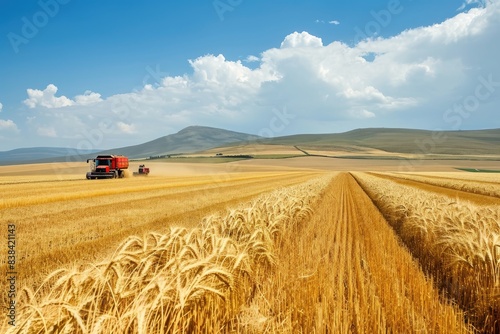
[
  {"x": 108, "y": 167},
  {"x": 143, "y": 171}
]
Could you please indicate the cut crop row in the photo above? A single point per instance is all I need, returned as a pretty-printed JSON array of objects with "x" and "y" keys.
[
  {"x": 475, "y": 187},
  {"x": 455, "y": 241}
]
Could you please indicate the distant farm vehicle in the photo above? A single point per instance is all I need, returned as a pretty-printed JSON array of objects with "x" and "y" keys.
[
  {"x": 107, "y": 167},
  {"x": 143, "y": 171}
]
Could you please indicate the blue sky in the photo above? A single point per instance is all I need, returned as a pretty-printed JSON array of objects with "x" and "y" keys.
[{"x": 103, "y": 74}]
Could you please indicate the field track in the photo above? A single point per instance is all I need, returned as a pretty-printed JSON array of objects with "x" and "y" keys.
[
  {"x": 345, "y": 271},
  {"x": 478, "y": 199}
]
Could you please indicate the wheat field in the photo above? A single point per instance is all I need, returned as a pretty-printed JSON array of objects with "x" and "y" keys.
[
  {"x": 255, "y": 252},
  {"x": 62, "y": 222},
  {"x": 476, "y": 184},
  {"x": 455, "y": 236}
]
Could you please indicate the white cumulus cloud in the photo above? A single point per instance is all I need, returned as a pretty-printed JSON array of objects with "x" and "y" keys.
[
  {"x": 303, "y": 39},
  {"x": 252, "y": 59},
  {"x": 47, "y": 98},
  {"x": 8, "y": 125},
  {"x": 88, "y": 98}
]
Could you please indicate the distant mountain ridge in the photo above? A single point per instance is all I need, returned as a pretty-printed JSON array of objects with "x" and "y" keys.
[
  {"x": 199, "y": 138},
  {"x": 188, "y": 140},
  {"x": 23, "y": 155}
]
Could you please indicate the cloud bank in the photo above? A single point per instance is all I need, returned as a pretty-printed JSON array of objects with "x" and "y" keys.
[{"x": 443, "y": 76}]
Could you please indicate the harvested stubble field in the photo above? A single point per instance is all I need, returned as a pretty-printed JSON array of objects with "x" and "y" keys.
[
  {"x": 268, "y": 252},
  {"x": 63, "y": 222}
]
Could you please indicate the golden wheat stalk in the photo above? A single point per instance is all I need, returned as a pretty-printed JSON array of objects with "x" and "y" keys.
[{"x": 179, "y": 281}]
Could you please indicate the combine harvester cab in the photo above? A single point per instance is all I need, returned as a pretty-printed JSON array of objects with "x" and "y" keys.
[{"x": 108, "y": 167}]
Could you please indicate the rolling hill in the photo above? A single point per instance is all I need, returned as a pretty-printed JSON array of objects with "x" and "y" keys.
[
  {"x": 408, "y": 141},
  {"x": 188, "y": 140},
  {"x": 359, "y": 143}
]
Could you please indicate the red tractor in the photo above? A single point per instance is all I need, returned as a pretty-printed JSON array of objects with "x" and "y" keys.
[
  {"x": 108, "y": 167},
  {"x": 143, "y": 171}
]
